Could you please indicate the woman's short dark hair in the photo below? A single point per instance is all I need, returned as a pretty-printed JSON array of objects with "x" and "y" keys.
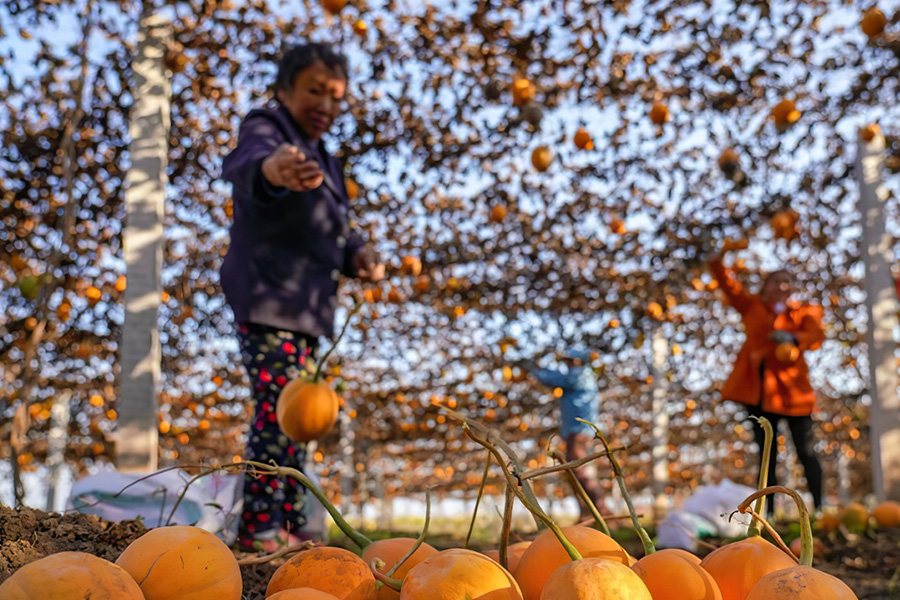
[{"x": 299, "y": 57}]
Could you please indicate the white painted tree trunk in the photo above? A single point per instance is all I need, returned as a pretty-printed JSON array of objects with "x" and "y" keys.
[
  {"x": 56, "y": 449},
  {"x": 882, "y": 307},
  {"x": 140, "y": 357}
]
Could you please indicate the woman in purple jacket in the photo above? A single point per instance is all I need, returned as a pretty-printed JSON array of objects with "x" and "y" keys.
[{"x": 290, "y": 243}]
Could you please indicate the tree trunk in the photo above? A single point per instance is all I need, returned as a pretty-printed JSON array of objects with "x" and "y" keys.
[
  {"x": 881, "y": 308},
  {"x": 56, "y": 449},
  {"x": 137, "y": 435}
]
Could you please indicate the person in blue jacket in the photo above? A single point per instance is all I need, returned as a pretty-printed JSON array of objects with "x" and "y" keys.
[
  {"x": 291, "y": 242},
  {"x": 580, "y": 399}
]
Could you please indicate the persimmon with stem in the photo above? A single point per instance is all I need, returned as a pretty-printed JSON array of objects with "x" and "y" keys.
[
  {"x": 546, "y": 569},
  {"x": 802, "y": 581},
  {"x": 738, "y": 566},
  {"x": 579, "y": 490},
  {"x": 390, "y": 550},
  {"x": 307, "y": 409},
  {"x": 497, "y": 441},
  {"x": 450, "y": 575},
  {"x": 646, "y": 542},
  {"x": 533, "y": 507},
  {"x": 670, "y": 574},
  {"x": 377, "y": 564},
  {"x": 765, "y": 459}
]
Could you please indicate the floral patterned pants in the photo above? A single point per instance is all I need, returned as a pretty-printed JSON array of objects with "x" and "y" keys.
[{"x": 272, "y": 357}]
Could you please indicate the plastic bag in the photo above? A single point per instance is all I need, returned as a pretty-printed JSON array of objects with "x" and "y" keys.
[
  {"x": 716, "y": 502},
  {"x": 705, "y": 513},
  {"x": 682, "y": 530},
  {"x": 212, "y": 502}
]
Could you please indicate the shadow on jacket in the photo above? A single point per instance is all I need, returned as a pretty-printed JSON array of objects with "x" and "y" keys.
[{"x": 288, "y": 249}]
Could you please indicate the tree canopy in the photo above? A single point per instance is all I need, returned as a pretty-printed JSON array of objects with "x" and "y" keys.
[{"x": 494, "y": 255}]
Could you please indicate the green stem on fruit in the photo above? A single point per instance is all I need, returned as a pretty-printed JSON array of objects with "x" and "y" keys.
[
  {"x": 806, "y": 537},
  {"x": 421, "y": 537},
  {"x": 771, "y": 531},
  {"x": 544, "y": 471},
  {"x": 392, "y": 582},
  {"x": 753, "y": 530},
  {"x": 357, "y": 538},
  {"x": 532, "y": 507},
  {"x": 490, "y": 435},
  {"x": 487, "y": 468},
  {"x": 507, "y": 525},
  {"x": 646, "y": 542},
  {"x": 318, "y": 373},
  {"x": 599, "y": 521}
]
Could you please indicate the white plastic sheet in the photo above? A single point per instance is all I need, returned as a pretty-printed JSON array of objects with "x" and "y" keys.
[
  {"x": 705, "y": 513},
  {"x": 213, "y": 502}
]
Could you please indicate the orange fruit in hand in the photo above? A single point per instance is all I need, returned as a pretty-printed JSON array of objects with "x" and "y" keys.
[
  {"x": 583, "y": 140},
  {"x": 659, "y": 114},
  {"x": 787, "y": 353},
  {"x": 542, "y": 158},
  {"x": 873, "y": 22}
]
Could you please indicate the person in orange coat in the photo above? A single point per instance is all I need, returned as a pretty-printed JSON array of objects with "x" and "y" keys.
[{"x": 770, "y": 374}]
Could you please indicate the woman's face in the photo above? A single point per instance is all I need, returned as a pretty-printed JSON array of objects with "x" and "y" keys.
[
  {"x": 315, "y": 99},
  {"x": 778, "y": 288}
]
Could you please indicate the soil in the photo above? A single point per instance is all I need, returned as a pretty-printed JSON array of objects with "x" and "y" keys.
[
  {"x": 869, "y": 563},
  {"x": 28, "y": 534}
]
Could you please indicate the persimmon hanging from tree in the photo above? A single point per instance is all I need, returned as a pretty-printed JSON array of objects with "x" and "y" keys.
[{"x": 873, "y": 22}]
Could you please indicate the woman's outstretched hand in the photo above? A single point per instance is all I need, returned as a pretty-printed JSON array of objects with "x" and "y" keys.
[{"x": 288, "y": 167}]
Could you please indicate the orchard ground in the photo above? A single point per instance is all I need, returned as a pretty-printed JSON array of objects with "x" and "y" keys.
[{"x": 869, "y": 563}]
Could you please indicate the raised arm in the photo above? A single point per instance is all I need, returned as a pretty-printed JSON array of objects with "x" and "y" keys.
[
  {"x": 810, "y": 334},
  {"x": 734, "y": 292}
]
